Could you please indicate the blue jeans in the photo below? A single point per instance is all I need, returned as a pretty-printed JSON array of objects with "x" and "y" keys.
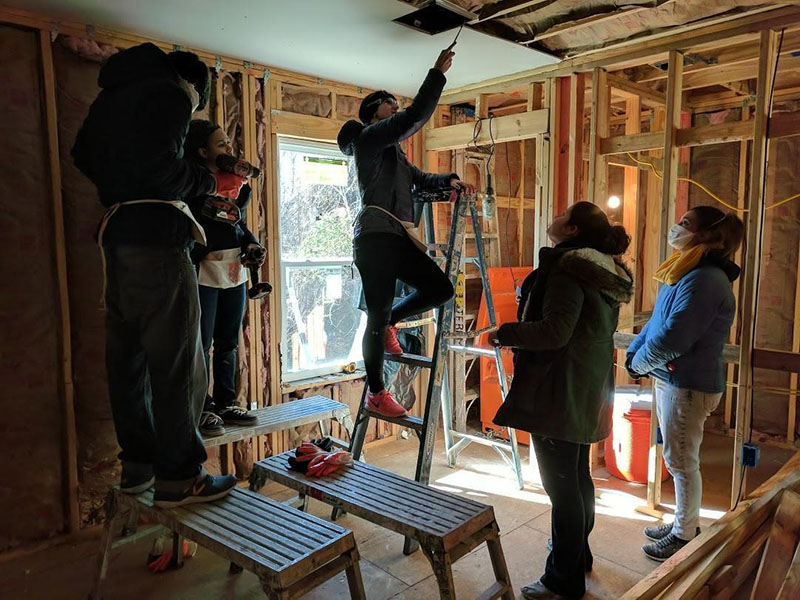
[
  {"x": 221, "y": 314},
  {"x": 681, "y": 415},
  {"x": 154, "y": 360}
]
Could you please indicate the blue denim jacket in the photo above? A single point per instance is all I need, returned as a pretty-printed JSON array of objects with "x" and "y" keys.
[{"x": 682, "y": 342}]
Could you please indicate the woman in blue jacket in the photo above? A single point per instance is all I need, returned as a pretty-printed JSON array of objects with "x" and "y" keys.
[{"x": 681, "y": 348}]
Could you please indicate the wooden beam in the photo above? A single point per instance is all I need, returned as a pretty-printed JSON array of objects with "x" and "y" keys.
[
  {"x": 781, "y": 547},
  {"x": 307, "y": 127},
  {"x": 649, "y": 96},
  {"x": 70, "y": 440},
  {"x": 735, "y": 72},
  {"x": 757, "y": 507},
  {"x": 544, "y": 178},
  {"x": 272, "y": 94},
  {"x": 781, "y": 125},
  {"x": 508, "y": 128},
  {"x": 793, "y": 378},
  {"x": 669, "y": 187},
  {"x": 598, "y": 167},
  {"x": 639, "y": 51},
  {"x": 575, "y": 159},
  {"x": 749, "y": 290}
]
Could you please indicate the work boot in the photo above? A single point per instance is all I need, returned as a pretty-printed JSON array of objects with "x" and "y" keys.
[
  {"x": 210, "y": 424},
  {"x": 659, "y": 533},
  {"x": 206, "y": 488},
  {"x": 664, "y": 548},
  {"x": 236, "y": 415},
  {"x": 390, "y": 343},
  {"x": 384, "y": 404},
  {"x": 136, "y": 478}
]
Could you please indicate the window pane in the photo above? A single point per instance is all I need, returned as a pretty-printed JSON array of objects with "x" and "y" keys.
[
  {"x": 322, "y": 326},
  {"x": 319, "y": 199}
]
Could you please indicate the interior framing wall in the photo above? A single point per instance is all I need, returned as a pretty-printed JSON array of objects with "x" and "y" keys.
[{"x": 264, "y": 118}]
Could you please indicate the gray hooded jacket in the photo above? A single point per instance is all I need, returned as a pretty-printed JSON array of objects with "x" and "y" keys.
[{"x": 385, "y": 177}]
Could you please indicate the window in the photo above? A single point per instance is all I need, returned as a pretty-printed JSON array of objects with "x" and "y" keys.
[{"x": 322, "y": 326}]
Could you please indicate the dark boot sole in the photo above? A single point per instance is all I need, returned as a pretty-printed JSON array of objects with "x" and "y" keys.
[
  {"x": 138, "y": 489},
  {"x": 213, "y": 432},
  {"x": 192, "y": 499}
]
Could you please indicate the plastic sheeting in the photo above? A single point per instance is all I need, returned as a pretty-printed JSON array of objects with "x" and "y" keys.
[{"x": 31, "y": 491}]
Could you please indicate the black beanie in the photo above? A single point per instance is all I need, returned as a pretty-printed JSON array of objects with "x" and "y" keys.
[
  {"x": 369, "y": 105},
  {"x": 197, "y": 137},
  {"x": 192, "y": 69}
]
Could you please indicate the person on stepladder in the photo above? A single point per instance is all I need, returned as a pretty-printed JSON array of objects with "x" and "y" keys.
[
  {"x": 131, "y": 147},
  {"x": 222, "y": 275},
  {"x": 386, "y": 248},
  {"x": 563, "y": 387},
  {"x": 680, "y": 347}
]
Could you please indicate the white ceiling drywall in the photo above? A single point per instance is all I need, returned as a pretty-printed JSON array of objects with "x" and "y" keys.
[{"x": 353, "y": 41}]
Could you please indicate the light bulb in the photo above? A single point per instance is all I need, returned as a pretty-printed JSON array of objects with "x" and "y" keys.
[
  {"x": 489, "y": 204},
  {"x": 614, "y": 202}
]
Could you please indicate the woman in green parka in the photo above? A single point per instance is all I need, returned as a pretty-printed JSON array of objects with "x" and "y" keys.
[{"x": 563, "y": 387}]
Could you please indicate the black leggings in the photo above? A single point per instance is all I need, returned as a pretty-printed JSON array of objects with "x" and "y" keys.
[
  {"x": 564, "y": 467},
  {"x": 382, "y": 259}
]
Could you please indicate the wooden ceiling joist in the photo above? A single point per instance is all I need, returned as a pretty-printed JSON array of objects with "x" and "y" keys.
[{"x": 645, "y": 50}]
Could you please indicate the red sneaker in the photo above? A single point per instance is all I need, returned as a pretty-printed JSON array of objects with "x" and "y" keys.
[
  {"x": 390, "y": 343},
  {"x": 384, "y": 404}
]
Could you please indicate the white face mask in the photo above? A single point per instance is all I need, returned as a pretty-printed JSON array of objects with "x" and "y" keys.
[{"x": 679, "y": 237}]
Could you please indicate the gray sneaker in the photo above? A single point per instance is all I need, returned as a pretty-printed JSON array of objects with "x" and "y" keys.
[
  {"x": 660, "y": 532},
  {"x": 664, "y": 548}
]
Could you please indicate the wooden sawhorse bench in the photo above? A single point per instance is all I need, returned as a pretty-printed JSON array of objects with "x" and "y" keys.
[
  {"x": 290, "y": 551},
  {"x": 303, "y": 411},
  {"x": 446, "y": 526}
]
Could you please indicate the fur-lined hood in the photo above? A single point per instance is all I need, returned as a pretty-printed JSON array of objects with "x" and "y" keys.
[{"x": 602, "y": 271}]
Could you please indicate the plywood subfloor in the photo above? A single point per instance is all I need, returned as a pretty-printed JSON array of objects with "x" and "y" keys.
[{"x": 65, "y": 571}]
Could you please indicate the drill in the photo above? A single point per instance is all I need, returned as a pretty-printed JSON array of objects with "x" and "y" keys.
[
  {"x": 237, "y": 166},
  {"x": 252, "y": 256}
]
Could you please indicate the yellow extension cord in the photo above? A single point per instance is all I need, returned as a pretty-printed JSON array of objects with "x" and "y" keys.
[{"x": 705, "y": 189}]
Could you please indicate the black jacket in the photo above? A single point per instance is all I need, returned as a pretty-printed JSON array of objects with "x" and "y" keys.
[
  {"x": 131, "y": 147},
  {"x": 219, "y": 235},
  {"x": 385, "y": 177},
  {"x": 563, "y": 385}
]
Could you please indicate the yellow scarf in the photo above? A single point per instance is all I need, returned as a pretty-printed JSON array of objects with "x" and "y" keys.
[{"x": 679, "y": 264}]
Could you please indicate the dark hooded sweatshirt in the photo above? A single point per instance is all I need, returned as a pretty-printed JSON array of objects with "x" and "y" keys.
[
  {"x": 563, "y": 386},
  {"x": 131, "y": 147},
  {"x": 385, "y": 177}
]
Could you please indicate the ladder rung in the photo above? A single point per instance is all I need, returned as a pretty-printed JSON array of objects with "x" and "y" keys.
[
  {"x": 414, "y": 423},
  {"x": 484, "y": 236},
  {"x": 478, "y": 439},
  {"x": 409, "y": 359},
  {"x": 470, "y": 276}
]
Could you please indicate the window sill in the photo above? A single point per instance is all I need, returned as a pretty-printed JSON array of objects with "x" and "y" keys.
[{"x": 321, "y": 380}]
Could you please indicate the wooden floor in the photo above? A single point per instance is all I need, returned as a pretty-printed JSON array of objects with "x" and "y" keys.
[{"x": 64, "y": 572}]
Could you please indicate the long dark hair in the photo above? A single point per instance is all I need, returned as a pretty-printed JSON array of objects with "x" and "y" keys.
[
  {"x": 724, "y": 230},
  {"x": 197, "y": 137},
  {"x": 596, "y": 231}
]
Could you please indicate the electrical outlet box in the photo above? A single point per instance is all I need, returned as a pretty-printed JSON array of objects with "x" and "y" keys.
[
  {"x": 750, "y": 455},
  {"x": 659, "y": 437}
]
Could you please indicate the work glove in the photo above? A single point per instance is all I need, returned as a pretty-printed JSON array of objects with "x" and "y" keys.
[
  {"x": 326, "y": 463},
  {"x": 228, "y": 185},
  {"x": 633, "y": 374}
]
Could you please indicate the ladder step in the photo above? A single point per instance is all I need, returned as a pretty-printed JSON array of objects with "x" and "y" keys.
[
  {"x": 415, "y": 423},
  {"x": 479, "y": 439},
  {"x": 484, "y": 236},
  {"x": 409, "y": 359}
]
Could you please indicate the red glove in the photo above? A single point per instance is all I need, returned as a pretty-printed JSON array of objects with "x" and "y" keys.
[
  {"x": 228, "y": 185},
  {"x": 325, "y": 464}
]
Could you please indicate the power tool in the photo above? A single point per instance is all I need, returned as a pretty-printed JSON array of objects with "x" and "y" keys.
[
  {"x": 237, "y": 166},
  {"x": 252, "y": 257}
]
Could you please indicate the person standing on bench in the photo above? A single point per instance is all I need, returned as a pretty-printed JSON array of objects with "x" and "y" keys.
[
  {"x": 384, "y": 248},
  {"x": 222, "y": 278},
  {"x": 563, "y": 386},
  {"x": 131, "y": 147}
]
